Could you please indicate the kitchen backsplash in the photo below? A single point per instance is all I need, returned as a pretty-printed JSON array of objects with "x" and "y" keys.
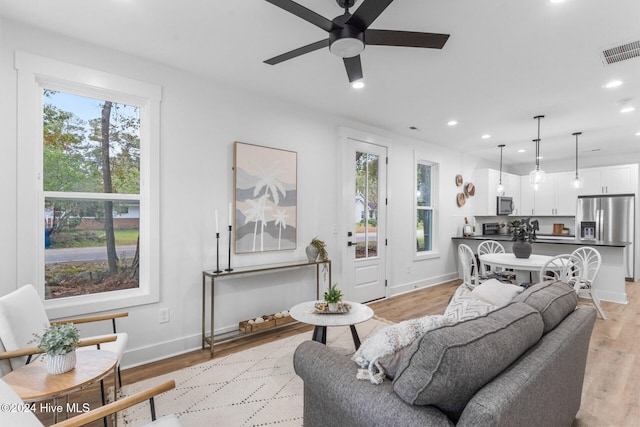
[{"x": 545, "y": 223}]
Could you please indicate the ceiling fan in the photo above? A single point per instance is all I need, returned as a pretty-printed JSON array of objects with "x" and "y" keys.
[{"x": 349, "y": 33}]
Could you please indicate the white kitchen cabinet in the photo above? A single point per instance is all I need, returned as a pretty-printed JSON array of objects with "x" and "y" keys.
[
  {"x": 486, "y": 183},
  {"x": 544, "y": 200},
  {"x": 554, "y": 197},
  {"x": 484, "y": 201},
  {"x": 621, "y": 179},
  {"x": 566, "y": 194},
  {"x": 526, "y": 197},
  {"x": 591, "y": 182},
  {"x": 512, "y": 189}
]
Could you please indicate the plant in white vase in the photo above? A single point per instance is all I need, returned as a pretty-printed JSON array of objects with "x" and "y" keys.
[
  {"x": 332, "y": 297},
  {"x": 59, "y": 341}
]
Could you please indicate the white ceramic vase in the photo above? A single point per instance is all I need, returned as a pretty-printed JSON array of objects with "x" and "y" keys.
[
  {"x": 312, "y": 253},
  {"x": 62, "y": 363},
  {"x": 333, "y": 307}
]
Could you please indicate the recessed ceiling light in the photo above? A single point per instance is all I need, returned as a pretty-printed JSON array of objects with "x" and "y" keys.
[
  {"x": 485, "y": 136},
  {"x": 627, "y": 109},
  {"x": 522, "y": 150},
  {"x": 613, "y": 83},
  {"x": 637, "y": 133},
  {"x": 452, "y": 123},
  {"x": 359, "y": 84},
  {"x": 556, "y": 1}
]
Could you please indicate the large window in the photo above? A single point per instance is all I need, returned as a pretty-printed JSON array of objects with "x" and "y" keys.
[
  {"x": 425, "y": 206},
  {"x": 88, "y": 152},
  {"x": 91, "y": 154}
]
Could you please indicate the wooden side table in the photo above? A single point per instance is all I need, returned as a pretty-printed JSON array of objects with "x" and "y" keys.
[{"x": 33, "y": 383}]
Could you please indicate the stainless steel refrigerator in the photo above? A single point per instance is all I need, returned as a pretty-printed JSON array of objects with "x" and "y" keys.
[{"x": 609, "y": 218}]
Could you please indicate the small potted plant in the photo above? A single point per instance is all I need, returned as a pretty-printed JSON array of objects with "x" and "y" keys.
[
  {"x": 523, "y": 232},
  {"x": 59, "y": 341},
  {"x": 332, "y": 297}
]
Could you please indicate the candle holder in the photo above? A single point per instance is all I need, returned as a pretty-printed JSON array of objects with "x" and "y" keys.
[
  {"x": 229, "y": 269},
  {"x": 218, "y": 254}
]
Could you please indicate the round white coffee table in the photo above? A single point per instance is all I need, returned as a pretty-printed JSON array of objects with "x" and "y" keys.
[{"x": 305, "y": 312}]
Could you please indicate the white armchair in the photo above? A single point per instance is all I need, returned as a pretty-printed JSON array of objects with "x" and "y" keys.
[{"x": 22, "y": 314}]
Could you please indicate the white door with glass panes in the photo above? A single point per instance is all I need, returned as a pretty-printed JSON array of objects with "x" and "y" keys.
[{"x": 366, "y": 184}]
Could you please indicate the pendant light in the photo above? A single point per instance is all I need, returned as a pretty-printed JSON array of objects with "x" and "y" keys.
[
  {"x": 577, "y": 181},
  {"x": 536, "y": 176},
  {"x": 500, "y": 187}
]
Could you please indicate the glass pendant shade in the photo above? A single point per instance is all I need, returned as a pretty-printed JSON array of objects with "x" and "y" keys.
[
  {"x": 537, "y": 176},
  {"x": 577, "y": 182},
  {"x": 500, "y": 187}
]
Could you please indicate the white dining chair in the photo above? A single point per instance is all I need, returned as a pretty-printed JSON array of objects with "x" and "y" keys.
[
  {"x": 591, "y": 261},
  {"x": 489, "y": 247},
  {"x": 468, "y": 265},
  {"x": 566, "y": 268}
]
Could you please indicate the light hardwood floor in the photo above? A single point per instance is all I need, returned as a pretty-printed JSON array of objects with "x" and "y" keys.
[{"x": 611, "y": 392}]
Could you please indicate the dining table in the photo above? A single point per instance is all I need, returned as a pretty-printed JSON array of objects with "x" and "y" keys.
[{"x": 527, "y": 270}]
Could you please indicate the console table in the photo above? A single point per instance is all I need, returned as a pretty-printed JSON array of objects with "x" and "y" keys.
[{"x": 212, "y": 276}]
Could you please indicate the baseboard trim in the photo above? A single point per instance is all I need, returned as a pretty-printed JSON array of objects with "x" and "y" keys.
[
  {"x": 160, "y": 351},
  {"x": 420, "y": 284}
]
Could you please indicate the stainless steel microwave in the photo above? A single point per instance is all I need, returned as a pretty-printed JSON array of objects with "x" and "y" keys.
[{"x": 505, "y": 205}]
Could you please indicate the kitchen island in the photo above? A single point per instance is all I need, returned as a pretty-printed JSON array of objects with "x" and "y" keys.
[{"x": 610, "y": 284}]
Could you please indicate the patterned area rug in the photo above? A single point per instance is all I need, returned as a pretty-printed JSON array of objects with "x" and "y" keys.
[{"x": 255, "y": 387}]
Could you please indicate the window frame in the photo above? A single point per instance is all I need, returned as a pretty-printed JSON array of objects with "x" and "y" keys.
[
  {"x": 420, "y": 159},
  {"x": 34, "y": 74}
]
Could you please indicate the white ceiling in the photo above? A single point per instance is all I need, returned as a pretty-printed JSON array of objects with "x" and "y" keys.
[{"x": 505, "y": 62}]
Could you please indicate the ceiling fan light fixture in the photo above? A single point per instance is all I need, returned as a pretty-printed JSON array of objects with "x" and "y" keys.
[{"x": 346, "y": 42}]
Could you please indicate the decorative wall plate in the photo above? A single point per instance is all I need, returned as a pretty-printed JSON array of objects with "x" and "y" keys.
[
  {"x": 459, "y": 180},
  {"x": 470, "y": 189},
  {"x": 461, "y": 198}
]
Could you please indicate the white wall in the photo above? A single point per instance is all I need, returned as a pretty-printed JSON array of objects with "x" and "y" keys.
[{"x": 200, "y": 120}]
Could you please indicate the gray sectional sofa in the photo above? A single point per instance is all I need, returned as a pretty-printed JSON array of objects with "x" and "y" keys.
[{"x": 520, "y": 365}]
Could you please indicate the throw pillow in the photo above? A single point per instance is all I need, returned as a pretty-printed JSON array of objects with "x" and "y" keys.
[
  {"x": 464, "y": 305},
  {"x": 380, "y": 355},
  {"x": 447, "y": 366},
  {"x": 496, "y": 292}
]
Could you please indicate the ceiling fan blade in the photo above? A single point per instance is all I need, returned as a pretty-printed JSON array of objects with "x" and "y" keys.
[
  {"x": 405, "y": 38},
  {"x": 297, "y": 52},
  {"x": 354, "y": 68},
  {"x": 304, "y": 13},
  {"x": 368, "y": 11}
]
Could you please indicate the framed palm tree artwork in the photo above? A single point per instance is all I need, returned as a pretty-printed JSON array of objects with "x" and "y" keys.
[{"x": 266, "y": 189}]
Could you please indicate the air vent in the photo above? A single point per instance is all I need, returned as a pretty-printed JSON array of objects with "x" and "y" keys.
[{"x": 621, "y": 53}]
